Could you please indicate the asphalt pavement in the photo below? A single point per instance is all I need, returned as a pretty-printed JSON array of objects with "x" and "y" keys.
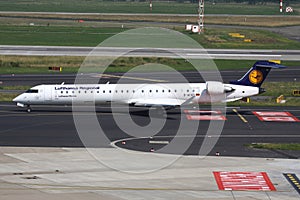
[
  {"x": 289, "y": 74},
  {"x": 192, "y": 53},
  {"x": 54, "y": 127}
]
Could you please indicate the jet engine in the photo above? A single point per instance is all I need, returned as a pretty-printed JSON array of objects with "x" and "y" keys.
[{"x": 215, "y": 87}]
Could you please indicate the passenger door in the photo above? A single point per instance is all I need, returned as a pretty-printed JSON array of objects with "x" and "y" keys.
[{"x": 48, "y": 94}]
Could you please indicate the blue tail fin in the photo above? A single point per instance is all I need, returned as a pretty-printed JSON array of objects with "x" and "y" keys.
[{"x": 257, "y": 74}]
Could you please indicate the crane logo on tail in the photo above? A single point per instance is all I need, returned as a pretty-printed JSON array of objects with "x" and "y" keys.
[{"x": 256, "y": 76}]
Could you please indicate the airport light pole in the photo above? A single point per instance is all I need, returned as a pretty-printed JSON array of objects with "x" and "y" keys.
[{"x": 201, "y": 16}]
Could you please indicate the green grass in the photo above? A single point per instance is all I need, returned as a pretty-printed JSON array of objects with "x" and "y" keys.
[
  {"x": 261, "y": 39},
  {"x": 70, "y": 64},
  {"x": 135, "y": 7},
  {"x": 275, "y": 146},
  {"x": 55, "y": 35},
  {"x": 291, "y": 101},
  {"x": 274, "y": 90},
  {"x": 8, "y": 97},
  {"x": 92, "y": 36},
  {"x": 14, "y": 87}
]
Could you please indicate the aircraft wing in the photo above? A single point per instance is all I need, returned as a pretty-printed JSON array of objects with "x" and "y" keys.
[{"x": 156, "y": 102}]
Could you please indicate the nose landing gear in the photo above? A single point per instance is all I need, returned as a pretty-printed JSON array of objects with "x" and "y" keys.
[{"x": 28, "y": 109}]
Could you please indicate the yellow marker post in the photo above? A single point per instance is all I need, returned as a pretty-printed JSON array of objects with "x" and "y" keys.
[{"x": 280, "y": 99}]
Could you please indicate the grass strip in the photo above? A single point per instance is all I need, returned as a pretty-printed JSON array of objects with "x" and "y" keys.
[
  {"x": 275, "y": 146},
  {"x": 72, "y": 20},
  {"x": 71, "y": 64},
  {"x": 93, "y": 36},
  {"x": 96, "y": 6}
]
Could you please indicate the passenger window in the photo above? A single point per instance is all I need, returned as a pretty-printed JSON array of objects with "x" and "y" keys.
[
  {"x": 169, "y": 90},
  {"x": 109, "y": 91},
  {"x": 150, "y": 91},
  {"x": 103, "y": 91}
]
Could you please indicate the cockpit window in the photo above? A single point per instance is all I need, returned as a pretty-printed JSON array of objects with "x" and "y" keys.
[{"x": 32, "y": 91}]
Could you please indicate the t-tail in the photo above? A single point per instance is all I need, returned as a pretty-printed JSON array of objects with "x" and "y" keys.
[{"x": 258, "y": 73}]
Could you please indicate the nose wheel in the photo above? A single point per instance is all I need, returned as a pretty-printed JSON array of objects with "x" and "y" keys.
[{"x": 28, "y": 109}]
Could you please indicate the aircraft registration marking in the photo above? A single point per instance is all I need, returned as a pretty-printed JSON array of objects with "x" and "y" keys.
[{"x": 247, "y": 181}]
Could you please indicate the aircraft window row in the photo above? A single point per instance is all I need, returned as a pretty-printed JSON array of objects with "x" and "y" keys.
[{"x": 110, "y": 91}]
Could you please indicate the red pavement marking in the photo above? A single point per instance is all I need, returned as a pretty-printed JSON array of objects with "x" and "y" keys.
[
  {"x": 202, "y": 112},
  {"x": 279, "y": 114},
  {"x": 244, "y": 181},
  {"x": 276, "y": 116},
  {"x": 279, "y": 119},
  {"x": 206, "y": 117}
]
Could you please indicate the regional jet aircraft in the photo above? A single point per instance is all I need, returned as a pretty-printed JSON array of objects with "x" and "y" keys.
[{"x": 169, "y": 95}]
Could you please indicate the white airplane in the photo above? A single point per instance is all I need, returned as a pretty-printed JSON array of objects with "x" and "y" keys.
[{"x": 167, "y": 95}]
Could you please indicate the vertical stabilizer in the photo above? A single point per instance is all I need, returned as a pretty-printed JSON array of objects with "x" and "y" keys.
[{"x": 257, "y": 74}]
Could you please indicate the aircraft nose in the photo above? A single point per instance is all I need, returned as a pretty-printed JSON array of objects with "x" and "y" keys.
[{"x": 15, "y": 99}]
